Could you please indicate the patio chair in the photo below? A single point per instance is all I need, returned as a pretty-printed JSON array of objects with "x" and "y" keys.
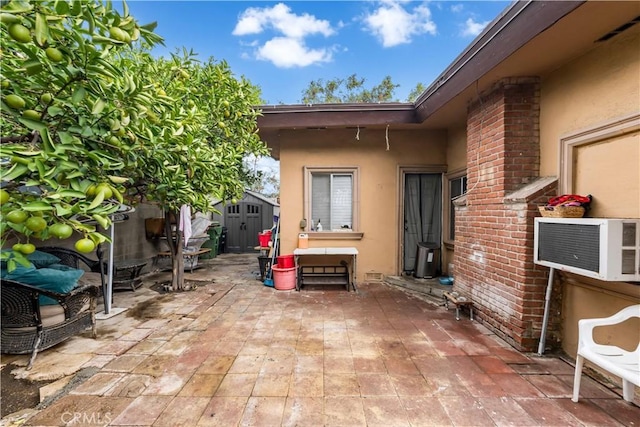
[
  {"x": 619, "y": 362},
  {"x": 32, "y": 322}
]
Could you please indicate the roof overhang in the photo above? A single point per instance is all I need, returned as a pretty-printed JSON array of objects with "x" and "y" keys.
[{"x": 530, "y": 38}]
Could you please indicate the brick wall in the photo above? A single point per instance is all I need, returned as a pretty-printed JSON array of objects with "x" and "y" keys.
[{"x": 494, "y": 234}]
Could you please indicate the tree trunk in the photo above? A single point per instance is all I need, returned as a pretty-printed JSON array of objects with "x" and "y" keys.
[{"x": 175, "y": 247}]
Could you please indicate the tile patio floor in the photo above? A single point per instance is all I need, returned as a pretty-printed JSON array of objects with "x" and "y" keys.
[{"x": 234, "y": 352}]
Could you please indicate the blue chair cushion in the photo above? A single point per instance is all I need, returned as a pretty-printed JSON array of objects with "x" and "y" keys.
[
  {"x": 57, "y": 278},
  {"x": 42, "y": 259}
]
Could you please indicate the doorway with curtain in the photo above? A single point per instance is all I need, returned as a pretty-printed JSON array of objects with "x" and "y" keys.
[{"x": 422, "y": 215}]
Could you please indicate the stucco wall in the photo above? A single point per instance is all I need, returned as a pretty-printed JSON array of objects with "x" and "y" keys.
[
  {"x": 378, "y": 184},
  {"x": 457, "y": 148},
  {"x": 598, "y": 88},
  {"x": 594, "y": 89}
]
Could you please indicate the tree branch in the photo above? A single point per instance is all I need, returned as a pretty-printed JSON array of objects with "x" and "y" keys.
[{"x": 17, "y": 138}]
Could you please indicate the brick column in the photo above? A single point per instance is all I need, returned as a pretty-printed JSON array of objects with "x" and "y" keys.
[{"x": 494, "y": 232}]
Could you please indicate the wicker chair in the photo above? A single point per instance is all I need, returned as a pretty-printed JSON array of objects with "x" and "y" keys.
[{"x": 29, "y": 327}]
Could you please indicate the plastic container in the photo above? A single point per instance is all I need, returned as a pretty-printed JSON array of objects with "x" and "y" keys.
[
  {"x": 265, "y": 264},
  {"x": 213, "y": 242},
  {"x": 264, "y": 239},
  {"x": 427, "y": 260},
  {"x": 286, "y": 261},
  {"x": 303, "y": 240},
  {"x": 284, "y": 279}
]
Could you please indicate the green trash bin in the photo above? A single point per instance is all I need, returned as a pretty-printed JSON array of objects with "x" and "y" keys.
[{"x": 214, "y": 238}]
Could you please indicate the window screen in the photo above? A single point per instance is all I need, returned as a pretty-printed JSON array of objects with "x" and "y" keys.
[{"x": 332, "y": 200}]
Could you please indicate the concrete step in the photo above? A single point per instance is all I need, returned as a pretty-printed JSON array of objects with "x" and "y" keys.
[{"x": 429, "y": 288}]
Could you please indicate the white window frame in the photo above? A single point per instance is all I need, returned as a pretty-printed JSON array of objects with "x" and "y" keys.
[
  {"x": 355, "y": 194},
  {"x": 449, "y": 212}
]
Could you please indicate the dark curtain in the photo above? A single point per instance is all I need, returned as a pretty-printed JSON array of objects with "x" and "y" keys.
[{"x": 422, "y": 214}]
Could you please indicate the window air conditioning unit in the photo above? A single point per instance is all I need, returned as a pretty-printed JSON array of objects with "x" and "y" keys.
[{"x": 605, "y": 249}]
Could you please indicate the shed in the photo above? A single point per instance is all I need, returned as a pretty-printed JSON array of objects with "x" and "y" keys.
[{"x": 245, "y": 219}]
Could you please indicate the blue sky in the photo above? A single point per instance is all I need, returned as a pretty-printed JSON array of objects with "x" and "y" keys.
[{"x": 283, "y": 46}]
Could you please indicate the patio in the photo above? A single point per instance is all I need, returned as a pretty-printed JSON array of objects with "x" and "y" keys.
[{"x": 234, "y": 352}]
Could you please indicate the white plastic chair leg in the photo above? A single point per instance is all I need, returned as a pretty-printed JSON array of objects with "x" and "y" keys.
[
  {"x": 627, "y": 390},
  {"x": 577, "y": 377}
]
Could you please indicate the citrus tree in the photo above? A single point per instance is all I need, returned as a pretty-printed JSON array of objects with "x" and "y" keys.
[
  {"x": 196, "y": 139},
  {"x": 90, "y": 120}
]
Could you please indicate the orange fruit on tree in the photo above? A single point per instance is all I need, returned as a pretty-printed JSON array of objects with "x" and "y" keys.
[
  {"x": 36, "y": 223},
  {"x": 85, "y": 245},
  {"x": 17, "y": 216}
]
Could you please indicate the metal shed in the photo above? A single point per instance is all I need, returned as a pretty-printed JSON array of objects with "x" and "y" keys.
[{"x": 244, "y": 220}]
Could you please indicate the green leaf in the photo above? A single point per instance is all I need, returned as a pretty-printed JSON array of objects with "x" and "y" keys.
[
  {"x": 37, "y": 206},
  {"x": 65, "y": 138},
  {"x": 33, "y": 124},
  {"x": 78, "y": 95},
  {"x": 62, "y": 210},
  {"x": 98, "y": 106},
  {"x": 40, "y": 167},
  {"x": 76, "y": 7},
  {"x": 75, "y": 174},
  {"x": 72, "y": 194},
  {"x": 18, "y": 6},
  {"x": 16, "y": 171},
  {"x": 42, "y": 29},
  {"x": 103, "y": 221},
  {"x": 46, "y": 140},
  {"x": 55, "y": 111},
  {"x": 96, "y": 201},
  {"x": 62, "y": 7},
  {"x": 33, "y": 66}
]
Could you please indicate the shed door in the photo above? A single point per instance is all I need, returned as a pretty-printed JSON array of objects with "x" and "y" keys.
[
  {"x": 243, "y": 221},
  {"x": 252, "y": 225}
]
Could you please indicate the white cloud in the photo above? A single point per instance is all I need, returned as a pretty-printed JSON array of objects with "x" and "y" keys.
[
  {"x": 255, "y": 20},
  {"x": 473, "y": 28},
  {"x": 288, "y": 49},
  {"x": 457, "y": 8},
  {"x": 287, "y": 52},
  {"x": 394, "y": 25}
]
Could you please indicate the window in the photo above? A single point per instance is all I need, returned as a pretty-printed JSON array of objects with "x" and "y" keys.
[
  {"x": 331, "y": 199},
  {"x": 457, "y": 187}
]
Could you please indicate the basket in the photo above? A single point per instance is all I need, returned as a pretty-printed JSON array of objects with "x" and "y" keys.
[{"x": 562, "y": 211}]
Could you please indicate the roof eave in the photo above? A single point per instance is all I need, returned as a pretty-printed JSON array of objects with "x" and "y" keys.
[{"x": 514, "y": 28}]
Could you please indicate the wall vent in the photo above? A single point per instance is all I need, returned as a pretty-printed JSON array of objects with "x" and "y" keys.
[
  {"x": 620, "y": 29},
  {"x": 373, "y": 277}
]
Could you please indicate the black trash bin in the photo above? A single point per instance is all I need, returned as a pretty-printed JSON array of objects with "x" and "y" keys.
[
  {"x": 427, "y": 260},
  {"x": 222, "y": 241}
]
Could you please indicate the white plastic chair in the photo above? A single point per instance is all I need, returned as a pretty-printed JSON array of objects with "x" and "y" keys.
[{"x": 619, "y": 362}]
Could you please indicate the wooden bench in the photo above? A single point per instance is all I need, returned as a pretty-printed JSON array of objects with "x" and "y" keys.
[{"x": 459, "y": 301}]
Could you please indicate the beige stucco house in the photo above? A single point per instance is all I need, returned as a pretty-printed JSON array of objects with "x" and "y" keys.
[{"x": 545, "y": 101}]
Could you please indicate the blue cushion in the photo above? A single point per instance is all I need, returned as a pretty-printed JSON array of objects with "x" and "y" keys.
[
  {"x": 52, "y": 279},
  {"x": 42, "y": 259}
]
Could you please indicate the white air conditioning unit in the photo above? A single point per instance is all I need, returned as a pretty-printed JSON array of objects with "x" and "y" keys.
[{"x": 602, "y": 248}]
